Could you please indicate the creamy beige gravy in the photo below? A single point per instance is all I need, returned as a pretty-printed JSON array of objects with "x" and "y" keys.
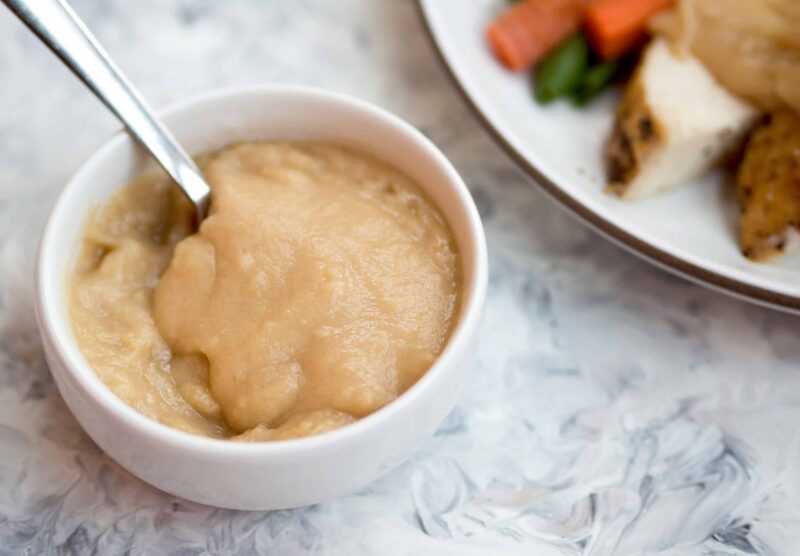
[{"x": 321, "y": 287}]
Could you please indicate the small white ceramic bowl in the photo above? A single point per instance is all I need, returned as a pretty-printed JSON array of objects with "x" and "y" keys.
[{"x": 266, "y": 475}]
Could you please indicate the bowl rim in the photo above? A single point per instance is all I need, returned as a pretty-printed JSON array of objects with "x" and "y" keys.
[{"x": 58, "y": 332}]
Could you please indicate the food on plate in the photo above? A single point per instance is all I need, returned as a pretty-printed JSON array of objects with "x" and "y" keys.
[
  {"x": 524, "y": 33},
  {"x": 768, "y": 187},
  {"x": 707, "y": 70},
  {"x": 661, "y": 139},
  {"x": 322, "y": 286},
  {"x": 751, "y": 46}
]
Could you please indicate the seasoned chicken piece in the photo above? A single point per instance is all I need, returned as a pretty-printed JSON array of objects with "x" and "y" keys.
[
  {"x": 674, "y": 123},
  {"x": 768, "y": 188}
]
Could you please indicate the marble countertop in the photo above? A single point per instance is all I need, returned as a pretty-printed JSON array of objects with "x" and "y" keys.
[{"x": 615, "y": 409}]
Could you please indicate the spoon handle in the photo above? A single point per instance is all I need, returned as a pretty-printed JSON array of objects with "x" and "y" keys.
[{"x": 59, "y": 27}]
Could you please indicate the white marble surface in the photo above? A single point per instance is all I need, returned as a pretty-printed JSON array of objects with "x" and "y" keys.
[{"x": 615, "y": 409}]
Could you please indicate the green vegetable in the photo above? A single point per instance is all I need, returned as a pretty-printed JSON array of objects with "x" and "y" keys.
[
  {"x": 595, "y": 81},
  {"x": 562, "y": 71}
]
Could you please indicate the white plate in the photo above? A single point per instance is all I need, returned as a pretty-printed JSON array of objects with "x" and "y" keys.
[{"x": 691, "y": 231}]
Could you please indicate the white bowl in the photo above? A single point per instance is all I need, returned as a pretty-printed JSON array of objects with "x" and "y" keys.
[{"x": 266, "y": 475}]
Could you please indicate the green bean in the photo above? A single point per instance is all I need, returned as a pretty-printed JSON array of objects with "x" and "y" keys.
[
  {"x": 595, "y": 82},
  {"x": 562, "y": 71}
]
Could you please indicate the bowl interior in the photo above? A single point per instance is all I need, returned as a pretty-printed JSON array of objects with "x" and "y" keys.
[{"x": 217, "y": 119}]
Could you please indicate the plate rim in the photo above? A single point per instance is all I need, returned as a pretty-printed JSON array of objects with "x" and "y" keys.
[{"x": 598, "y": 223}]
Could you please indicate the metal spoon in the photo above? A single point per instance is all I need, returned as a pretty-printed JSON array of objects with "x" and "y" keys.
[{"x": 57, "y": 25}]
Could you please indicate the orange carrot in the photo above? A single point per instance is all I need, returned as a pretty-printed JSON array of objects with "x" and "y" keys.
[
  {"x": 523, "y": 34},
  {"x": 614, "y": 27}
]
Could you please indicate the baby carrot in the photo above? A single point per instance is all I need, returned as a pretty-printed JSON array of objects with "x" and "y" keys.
[
  {"x": 616, "y": 26},
  {"x": 527, "y": 31}
]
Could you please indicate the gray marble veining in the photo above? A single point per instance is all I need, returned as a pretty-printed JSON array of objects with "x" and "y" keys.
[{"x": 615, "y": 410}]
